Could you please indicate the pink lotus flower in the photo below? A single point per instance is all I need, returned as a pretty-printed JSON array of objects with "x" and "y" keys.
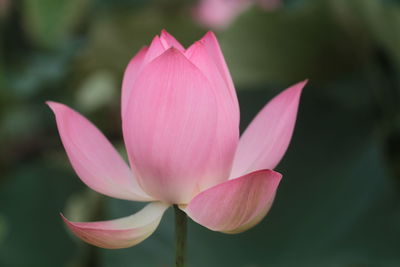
[
  {"x": 180, "y": 119},
  {"x": 221, "y": 13}
]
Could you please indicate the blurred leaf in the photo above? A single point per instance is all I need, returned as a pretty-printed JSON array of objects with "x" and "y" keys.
[
  {"x": 20, "y": 121},
  {"x": 97, "y": 90},
  {"x": 82, "y": 206},
  {"x": 122, "y": 3},
  {"x": 49, "y": 23},
  {"x": 3, "y": 228},
  {"x": 40, "y": 71},
  {"x": 291, "y": 45},
  {"x": 30, "y": 202},
  {"x": 114, "y": 38},
  {"x": 383, "y": 21}
]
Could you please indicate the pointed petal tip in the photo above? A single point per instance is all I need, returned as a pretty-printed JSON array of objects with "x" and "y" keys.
[
  {"x": 49, "y": 102},
  {"x": 156, "y": 40},
  {"x": 298, "y": 86},
  {"x": 53, "y": 105},
  {"x": 165, "y": 35},
  {"x": 164, "y": 32},
  {"x": 67, "y": 222},
  {"x": 193, "y": 48},
  {"x": 294, "y": 92},
  {"x": 303, "y": 83},
  {"x": 58, "y": 108},
  {"x": 209, "y": 35},
  {"x": 168, "y": 40}
]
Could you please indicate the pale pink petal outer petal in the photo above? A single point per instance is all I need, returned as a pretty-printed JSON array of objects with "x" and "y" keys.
[
  {"x": 211, "y": 44},
  {"x": 170, "y": 41},
  {"x": 171, "y": 130},
  {"x": 235, "y": 205},
  {"x": 93, "y": 158},
  {"x": 120, "y": 233},
  {"x": 130, "y": 75},
  {"x": 219, "y": 14},
  {"x": 228, "y": 114},
  {"x": 266, "y": 139}
]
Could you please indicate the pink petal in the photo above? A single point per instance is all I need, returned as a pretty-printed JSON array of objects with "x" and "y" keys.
[
  {"x": 141, "y": 59},
  {"x": 212, "y": 46},
  {"x": 156, "y": 48},
  {"x": 93, "y": 158},
  {"x": 219, "y": 13},
  {"x": 120, "y": 233},
  {"x": 235, "y": 205},
  {"x": 169, "y": 41},
  {"x": 228, "y": 114},
  {"x": 171, "y": 130},
  {"x": 130, "y": 75},
  {"x": 266, "y": 139}
]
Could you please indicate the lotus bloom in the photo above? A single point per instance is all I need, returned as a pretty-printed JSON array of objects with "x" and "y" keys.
[
  {"x": 221, "y": 13},
  {"x": 180, "y": 118}
]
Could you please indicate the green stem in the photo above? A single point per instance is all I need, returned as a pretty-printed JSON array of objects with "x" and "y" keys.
[{"x": 180, "y": 237}]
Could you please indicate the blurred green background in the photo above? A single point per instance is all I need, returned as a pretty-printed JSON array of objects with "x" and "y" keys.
[{"x": 339, "y": 201}]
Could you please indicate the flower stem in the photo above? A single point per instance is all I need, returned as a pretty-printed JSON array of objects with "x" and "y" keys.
[{"x": 180, "y": 237}]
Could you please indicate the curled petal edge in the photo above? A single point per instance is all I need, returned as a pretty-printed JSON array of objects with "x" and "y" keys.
[
  {"x": 120, "y": 233},
  {"x": 235, "y": 205}
]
